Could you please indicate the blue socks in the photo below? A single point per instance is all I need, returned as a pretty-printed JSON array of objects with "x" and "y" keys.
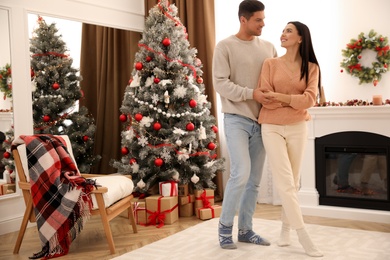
[
  {"x": 248, "y": 236},
  {"x": 225, "y": 236}
]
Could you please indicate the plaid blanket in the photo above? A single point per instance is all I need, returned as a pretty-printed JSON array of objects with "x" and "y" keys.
[{"x": 61, "y": 198}]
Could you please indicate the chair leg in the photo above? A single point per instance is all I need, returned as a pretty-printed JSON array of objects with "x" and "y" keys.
[
  {"x": 132, "y": 218},
  {"x": 105, "y": 222},
  {"x": 23, "y": 226}
]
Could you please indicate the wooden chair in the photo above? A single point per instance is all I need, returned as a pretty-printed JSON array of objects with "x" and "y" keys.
[{"x": 105, "y": 203}]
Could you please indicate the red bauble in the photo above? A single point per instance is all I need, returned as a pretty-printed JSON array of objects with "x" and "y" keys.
[
  {"x": 156, "y": 80},
  {"x": 46, "y": 118},
  {"x": 158, "y": 162},
  {"x": 124, "y": 150},
  {"x": 166, "y": 42},
  {"x": 55, "y": 86},
  {"x": 157, "y": 126},
  {"x": 9, "y": 71},
  {"x": 6, "y": 155},
  {"x": 192, "y": 103},
  {"x": 190, "y": 127},
  {"x": 123, "y": 118},
  {"x": 132, "y": 161},
  {"x": 214, "y": 128},
  {"x": 32, "y": 74},
  {"x": 199, "y": 80},
  {"x": 211, "y": 146},
  {"x": 138, "y": 117},
  {"x": 85, "y": 138},
  {"x": 148, "y": 59},
  {"x": 139, "y": 66},
  {"x": 213, "y": 156}
]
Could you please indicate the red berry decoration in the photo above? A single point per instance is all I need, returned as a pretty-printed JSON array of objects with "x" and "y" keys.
[
  {"x": 190, "y": 127},
  {"x": 138, "y": 117},
  {"x": 123, "y": 118},
  {"x": 46, "y": 118},
  {"x": 124, "y": 150},
  {"x": 157, "y": 126},
  {"x": 341, "y": 71},
  {"x": 199, "y": 80},
  {"x": 85, "y": 138},
  {"x": 55, "y": 86},
  {"x": 9, "y": 71},
  {"x": 32, "y": 74},
  {"x": 211, "y": 146},
  {"x": 156, "y": 80},
  {"x": 139, "y": 66},
  {"x": 158, "y": 162},
  {"x": 148, "y": 59},
  {"x": 166, "y": 42},
  {"x": 6, "y": 155},
  {"x": 214, "y": 128},
  {"x": 192, "y": 103},
  {"x": 132, "y": 161}
]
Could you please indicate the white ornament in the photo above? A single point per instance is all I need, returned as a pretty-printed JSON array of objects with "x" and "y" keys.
[
  {"x": 202, "y": 132},
  {"x": 166, "y": 98},
  {"x": 176, "y": 175},
  {"x": 135, "y": 167},
  {"x": 178, "y": 142},
  {"x": 141, "y": 184},
  {"x": 136, "y": 81},
  {"x": 149, "y": 81},
  {"x": 194, "y": 178}
]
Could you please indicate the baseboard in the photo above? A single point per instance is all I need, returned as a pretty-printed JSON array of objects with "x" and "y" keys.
[{"x": 12, "y": 225}]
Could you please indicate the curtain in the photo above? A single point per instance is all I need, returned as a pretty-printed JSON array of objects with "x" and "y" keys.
[
  {"x": 106, "y": 62},
  {"x": 107, "y": 57}
]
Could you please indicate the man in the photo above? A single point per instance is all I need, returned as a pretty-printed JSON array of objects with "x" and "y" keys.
[{"x": 237, "y": 63}]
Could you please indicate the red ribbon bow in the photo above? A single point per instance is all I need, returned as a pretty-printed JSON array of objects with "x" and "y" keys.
[
  {"x": 355, "y": 67},
  {"x": 382, "y": 51}
]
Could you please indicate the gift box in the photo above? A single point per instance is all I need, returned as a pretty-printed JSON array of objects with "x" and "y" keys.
[
  {"x": 139, "y": 210},
  {"x": 168, "y": 188},
  {"x": 8, "y": 188},
  {"x": 186, "y": 210},
  {"x": 208, "y": 213},
  {"x": 183, "y": 200},
  {"x": 161, "y": 210},
  {"x": 183, "y": 190},
  {"x": 204, "y": 198}
]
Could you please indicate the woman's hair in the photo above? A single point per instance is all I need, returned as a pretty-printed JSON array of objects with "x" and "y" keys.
[
  {"x": 307, "y": 52},
  {"x": 248, "y": 7}
]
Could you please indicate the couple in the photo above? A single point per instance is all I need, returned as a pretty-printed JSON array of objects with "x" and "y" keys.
[{"x": 248, "y": 76}]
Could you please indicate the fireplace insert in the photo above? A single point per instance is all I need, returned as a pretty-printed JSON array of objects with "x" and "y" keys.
[{"x": 352, "y": 170}]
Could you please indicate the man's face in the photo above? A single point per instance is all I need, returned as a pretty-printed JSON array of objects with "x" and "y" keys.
[{"x": 255, "y": 24}]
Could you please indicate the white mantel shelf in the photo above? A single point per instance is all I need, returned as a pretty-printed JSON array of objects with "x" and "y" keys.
[{"x": 333, "y": 119}]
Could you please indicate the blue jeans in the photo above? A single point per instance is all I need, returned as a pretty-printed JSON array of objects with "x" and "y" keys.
[{"x": 247, "y": 155}]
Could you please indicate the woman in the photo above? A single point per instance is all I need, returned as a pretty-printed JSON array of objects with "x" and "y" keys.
[{"x": 292, "y": 83}]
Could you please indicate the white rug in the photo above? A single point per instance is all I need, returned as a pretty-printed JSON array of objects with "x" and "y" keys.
[{"x": 200, "y": 242}]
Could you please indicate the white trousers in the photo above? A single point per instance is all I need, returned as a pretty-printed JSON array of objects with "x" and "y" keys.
[{"x": 284, "y": 145}]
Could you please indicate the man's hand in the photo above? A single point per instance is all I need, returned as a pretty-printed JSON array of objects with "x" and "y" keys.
[{"x": 263, "y": 97}]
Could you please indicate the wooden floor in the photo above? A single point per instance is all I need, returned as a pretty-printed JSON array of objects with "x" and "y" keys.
[{"x": 91, "y": 243}]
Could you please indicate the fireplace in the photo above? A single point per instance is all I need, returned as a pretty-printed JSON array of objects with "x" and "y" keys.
[
  {"x": 352, "y": 170},
  {"x": 325, "y": 122}
]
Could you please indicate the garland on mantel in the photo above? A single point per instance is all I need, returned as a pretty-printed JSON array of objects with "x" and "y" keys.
[{"x": 352, "y": 102}]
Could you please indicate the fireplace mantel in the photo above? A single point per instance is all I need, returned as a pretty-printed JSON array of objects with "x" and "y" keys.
[{"x": 333, "y": 119}]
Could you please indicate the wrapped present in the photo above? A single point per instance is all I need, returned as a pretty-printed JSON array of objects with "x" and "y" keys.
[
  {"x": 8, "y": 188},
  {"x": 139, "y": 209},
  {"x": 204, "y": 198},
  {"x": 183, "y": 190},
  {"x": 208, "y": 213},
  {"x": 186, "y": 210},
  {"x": 183, "y": 200},
  {"x": 161, "y": 210},
  {"x": 168, "y": 188}
]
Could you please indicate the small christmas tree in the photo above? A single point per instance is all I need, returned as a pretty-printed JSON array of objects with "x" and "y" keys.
[
  {"x": 6, "y": 81},
  {"x": 56, "y": 93},
  {"x": 169, "y": 133}
]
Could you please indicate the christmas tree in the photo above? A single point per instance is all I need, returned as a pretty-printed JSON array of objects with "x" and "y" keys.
[
  {"x": 168, "y": 133},
  {"x": 56, "y": 92}
]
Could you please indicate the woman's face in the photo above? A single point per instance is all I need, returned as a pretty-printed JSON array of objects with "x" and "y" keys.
[{"x": 290, "y": 36}]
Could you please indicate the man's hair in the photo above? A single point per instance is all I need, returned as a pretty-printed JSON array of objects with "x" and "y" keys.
[{"x": 248, "y": 7}]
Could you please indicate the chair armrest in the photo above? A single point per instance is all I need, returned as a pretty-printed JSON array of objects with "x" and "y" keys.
[
  {"x": 99, "y": 190},
  {"x": 24, "y": 185}
]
